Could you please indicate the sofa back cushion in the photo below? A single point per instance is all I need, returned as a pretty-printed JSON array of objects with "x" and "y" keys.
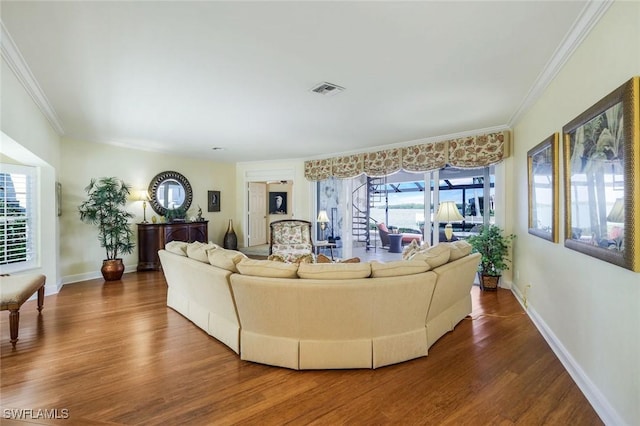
[
  {"x": 267, "y": 268},
  {"x": 435, "y": 256},
  {"x": 177, "y": 247},
  {"x": 398, "y": 268},
  {"x": 334, "y": 271},
  {"x": 459, "y": 249},
  {"x": 198, "y": 251},
  {"x": 225, "y": 259}
]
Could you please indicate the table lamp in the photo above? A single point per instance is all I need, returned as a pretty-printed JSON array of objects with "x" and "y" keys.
[
  {"x": 447, "y": 212},
  {"x": 323, "y": 219},
  {"x": 143, "y": 195}
]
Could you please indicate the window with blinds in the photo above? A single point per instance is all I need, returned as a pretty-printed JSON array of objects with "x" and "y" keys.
[{"x": 17, "y": 217}]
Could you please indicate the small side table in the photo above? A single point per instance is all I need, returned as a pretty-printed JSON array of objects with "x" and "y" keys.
[
  {"x": 325, "y": 244},
  {"x": 395, "y": 243}
]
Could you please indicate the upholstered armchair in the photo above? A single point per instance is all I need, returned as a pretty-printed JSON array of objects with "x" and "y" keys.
[
  {"x": 291, "y": 239},
  {"x": 407, "y": 237}
]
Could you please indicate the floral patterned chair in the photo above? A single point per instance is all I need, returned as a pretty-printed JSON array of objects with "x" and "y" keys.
[{"x": 291, "y": 239}]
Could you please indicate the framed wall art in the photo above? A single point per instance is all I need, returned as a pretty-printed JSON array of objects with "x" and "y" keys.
[
  {"x": 601, "y": 149},
  {"x": 213, "y": 201},
  {"x": 542, "y": 169},
  {"x": 277, "y": 203}
]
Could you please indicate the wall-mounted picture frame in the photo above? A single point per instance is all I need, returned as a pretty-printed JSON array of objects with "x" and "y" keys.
[
  {"x": 601, "y": 149},
  {"x": 542, "y": 169},
  {"x": 213, "y": 201},
  {"x": 277, "y": 203}
]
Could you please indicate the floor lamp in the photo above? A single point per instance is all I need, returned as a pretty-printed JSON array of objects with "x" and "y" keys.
[{"x": 448, "y": 212}]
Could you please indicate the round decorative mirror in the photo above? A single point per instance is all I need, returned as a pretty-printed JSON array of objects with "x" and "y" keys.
[{"x": 170, "y": 190}]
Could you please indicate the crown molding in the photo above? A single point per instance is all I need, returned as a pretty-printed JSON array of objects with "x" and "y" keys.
[
  {"x": 12, "y": 56},
  {"x": 586, "y": 21}
]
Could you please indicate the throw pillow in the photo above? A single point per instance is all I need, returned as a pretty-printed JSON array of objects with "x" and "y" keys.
[
  {"x": 177, "y": 247},
  {"x": 267, "y": 268},
  {"x": 410, "y": 250},
  {"x": 435, "y": 256},
  {"x": 351, "y": 260},
  {"x": 276, "y": 258},
  {"x": 321, "y": 258}
]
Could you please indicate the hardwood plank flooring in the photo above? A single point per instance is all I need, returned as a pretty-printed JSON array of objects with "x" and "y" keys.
[{"x": 114, "y": 354}]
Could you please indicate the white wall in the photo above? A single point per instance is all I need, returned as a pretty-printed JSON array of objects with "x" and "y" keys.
[
  {"x": 81, "y": 254},
  {"x": 588, "y": 309},
  {"x": 29, "y": 139}
]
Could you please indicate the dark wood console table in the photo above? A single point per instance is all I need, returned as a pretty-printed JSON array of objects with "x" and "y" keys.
[{"x": 153, "y": 237}]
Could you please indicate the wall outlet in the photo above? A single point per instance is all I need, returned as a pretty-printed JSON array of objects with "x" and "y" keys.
[{"x": 525, "y": 300}]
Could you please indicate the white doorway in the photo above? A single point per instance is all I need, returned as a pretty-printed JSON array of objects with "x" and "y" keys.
[{"x": 257, "y": 230}]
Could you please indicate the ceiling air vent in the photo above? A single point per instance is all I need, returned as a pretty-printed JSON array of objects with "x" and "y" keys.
[{"x": 325, "y": 88}]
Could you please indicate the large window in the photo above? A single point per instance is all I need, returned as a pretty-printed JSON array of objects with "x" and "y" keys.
[{"x": 17, "y": 219}]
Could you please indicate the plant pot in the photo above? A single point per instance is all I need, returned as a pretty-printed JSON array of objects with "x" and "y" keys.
[
  {"x": 488, "y": 282},
  {"x": 112, "y": 269}
]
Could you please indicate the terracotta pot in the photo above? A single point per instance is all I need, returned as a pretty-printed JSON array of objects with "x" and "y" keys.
[
  {"x": 112, "y": 269},
  {"x": 488, "y": 282}
]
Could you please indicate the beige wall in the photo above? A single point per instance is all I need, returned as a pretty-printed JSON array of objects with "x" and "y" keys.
[
  {"x": 28, "y": 138},
  {"x": 81, "y": 254},
  {"x": 589, "y": 309}
]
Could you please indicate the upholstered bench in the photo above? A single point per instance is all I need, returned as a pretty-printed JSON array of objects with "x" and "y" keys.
[{"x": 14, "y": 291}]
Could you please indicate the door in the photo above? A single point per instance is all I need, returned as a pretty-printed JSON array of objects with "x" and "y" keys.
[{"x": 257, "y": 213}]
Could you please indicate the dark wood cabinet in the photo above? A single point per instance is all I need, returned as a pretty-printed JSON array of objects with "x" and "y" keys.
[{"x": 153, "y": 237}]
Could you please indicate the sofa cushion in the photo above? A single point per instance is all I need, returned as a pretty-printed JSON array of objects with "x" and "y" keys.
[
  {"x": 225, "y": 259},
  {"x": 267, "y": 268},
  {"x": 398, "y": 268},
  {"x": 435, "y": 256},
  {"x": 333, "y": 271},
  {"x": 198, "y": 251},
  {"x": 177, "y": 247},
  {"x": 459, "y": 249}
]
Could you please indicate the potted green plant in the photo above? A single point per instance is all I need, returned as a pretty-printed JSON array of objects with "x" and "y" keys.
[
  {"x": 493, "y": 246},
  {"x": 104, "y": 208}
]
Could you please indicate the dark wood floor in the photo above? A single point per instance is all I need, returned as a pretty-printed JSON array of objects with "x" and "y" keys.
[{"x": 115, "y": 354}]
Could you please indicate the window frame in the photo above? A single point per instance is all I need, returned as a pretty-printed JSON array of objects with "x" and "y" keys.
[{"x": 30, "y": 196}]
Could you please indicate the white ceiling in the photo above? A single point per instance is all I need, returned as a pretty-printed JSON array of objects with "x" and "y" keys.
[{"x": 184, "y": 77}]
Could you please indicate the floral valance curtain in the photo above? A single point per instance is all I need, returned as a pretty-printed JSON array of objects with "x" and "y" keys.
[{"x": 467, "y": 152}]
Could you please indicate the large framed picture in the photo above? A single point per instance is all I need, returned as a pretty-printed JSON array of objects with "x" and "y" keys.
[
  {"x": 542, "y": 169},
  {"x": 277, "y": 203},
  {"x": 601, "y": 150}
]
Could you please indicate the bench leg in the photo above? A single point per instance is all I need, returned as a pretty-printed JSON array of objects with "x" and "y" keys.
[
  {"x": 40, "y": 298},
  {"x": 14, "y": 319}
]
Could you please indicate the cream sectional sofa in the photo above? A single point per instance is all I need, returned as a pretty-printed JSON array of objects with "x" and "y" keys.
[{"x": 322, "y": 316}]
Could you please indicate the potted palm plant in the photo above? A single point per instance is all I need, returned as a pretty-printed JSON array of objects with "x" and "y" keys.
[
  {"x": 493, "y": 246},
  {"x": 104, "y": 208}
]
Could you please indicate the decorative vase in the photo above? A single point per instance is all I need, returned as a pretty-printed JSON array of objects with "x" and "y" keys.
[
  {"x": 230, "y": 238},
  {"x": 112, "y": 269}
]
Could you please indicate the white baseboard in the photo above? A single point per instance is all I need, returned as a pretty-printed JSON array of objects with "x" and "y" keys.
[
  {"x": 70, "y": 279},
  {"x": 596, "y": 398}
]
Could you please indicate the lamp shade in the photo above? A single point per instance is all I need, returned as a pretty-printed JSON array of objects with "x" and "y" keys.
[
  {"x": 617, "y": 212},
  {"x": 143, "y": 195},
  {"x": 322, "y": 217},
  {"x": 448, "y": 212}
]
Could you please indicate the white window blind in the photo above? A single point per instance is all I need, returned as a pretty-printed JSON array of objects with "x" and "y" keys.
[{"x": 17, "y": 217}]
